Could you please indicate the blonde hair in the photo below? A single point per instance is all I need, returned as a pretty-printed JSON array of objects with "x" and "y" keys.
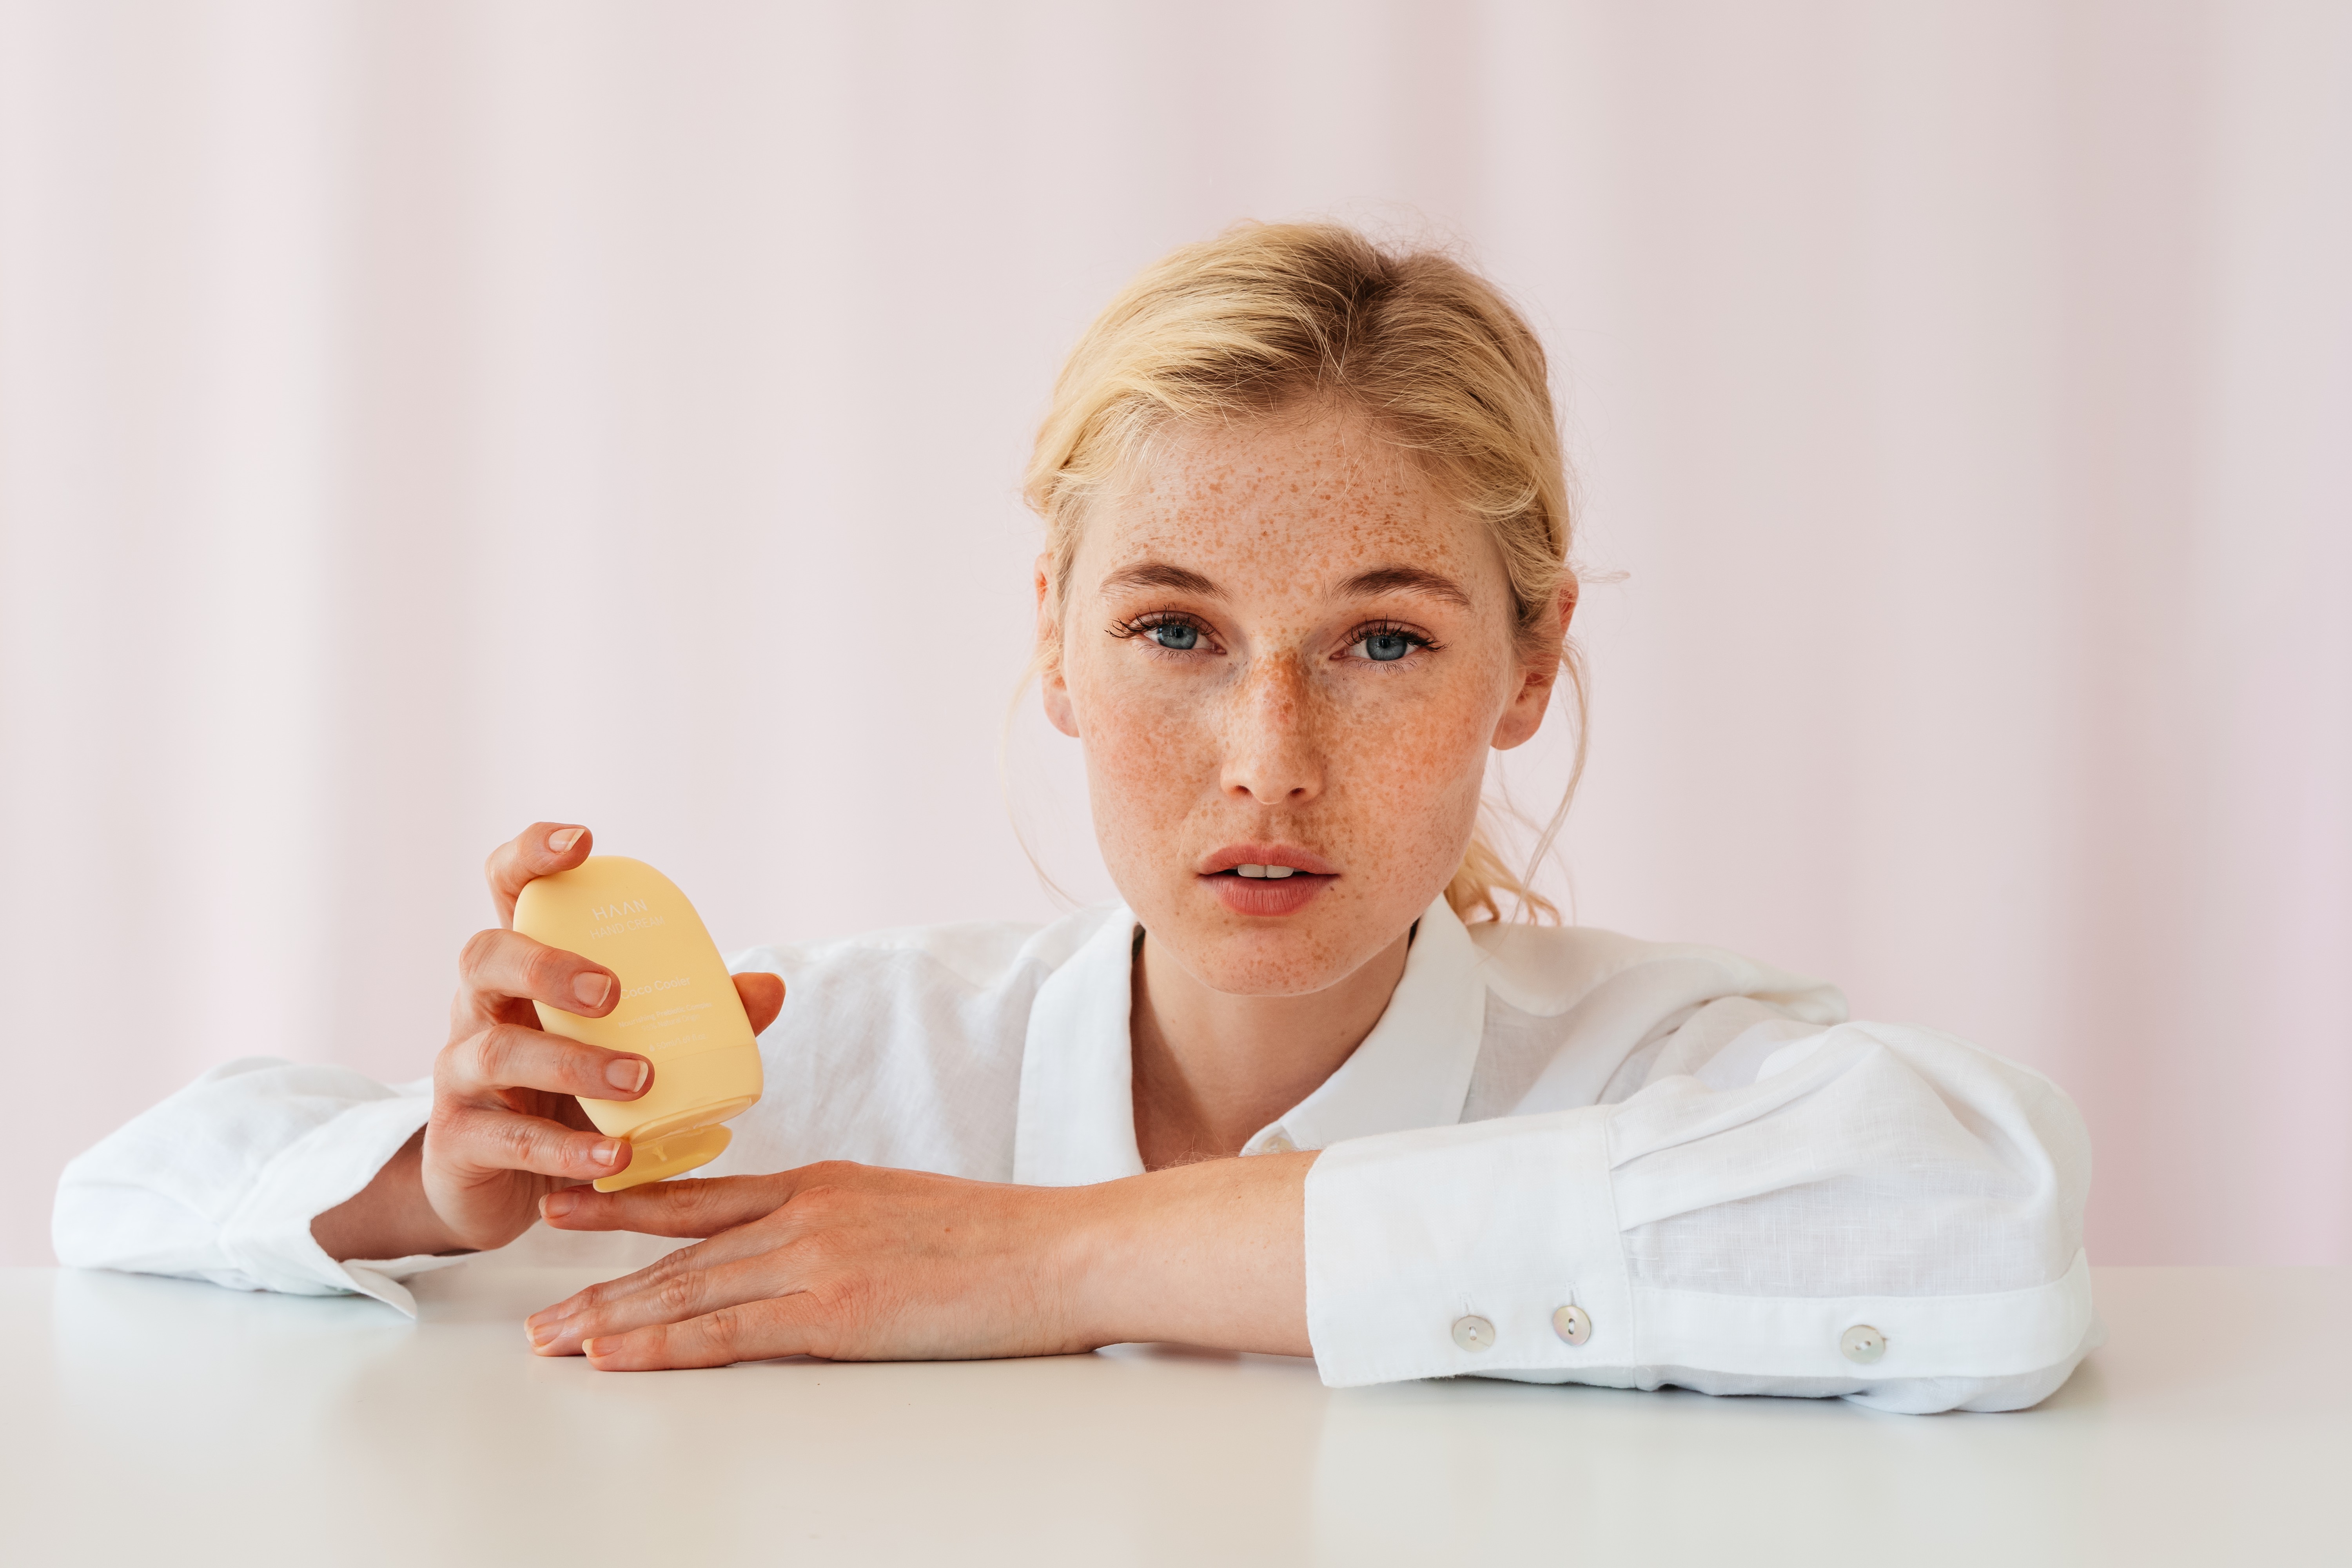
[{"x": 1267, "y": 315}]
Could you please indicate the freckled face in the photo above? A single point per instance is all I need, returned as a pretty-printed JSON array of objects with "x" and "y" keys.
[{"x": 1285, "y": 648}]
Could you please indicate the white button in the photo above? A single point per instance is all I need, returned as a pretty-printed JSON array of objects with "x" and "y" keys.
[
  {"x": 1473, "y": 1333},
  {"x": 1863, "y": 1343},
  {"x": 1572, "y": 1324},
  {"x": 1280, "y": 1144}
]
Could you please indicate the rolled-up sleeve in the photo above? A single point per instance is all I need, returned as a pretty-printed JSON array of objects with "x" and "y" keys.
[
  {"x": 1876, "y": 1212},
  {"x": 221, "y": 1180}
]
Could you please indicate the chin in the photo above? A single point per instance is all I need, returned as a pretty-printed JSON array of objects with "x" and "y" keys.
[{"x": 1296, "y": 955}]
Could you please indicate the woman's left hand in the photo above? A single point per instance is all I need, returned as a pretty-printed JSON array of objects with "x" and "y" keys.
[{"x": 857, "y": 1263}]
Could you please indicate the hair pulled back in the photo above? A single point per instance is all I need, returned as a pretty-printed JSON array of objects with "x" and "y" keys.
[{"x": 1267, "y": 315}]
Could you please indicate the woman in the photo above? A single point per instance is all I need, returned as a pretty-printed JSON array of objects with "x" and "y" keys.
[{"x": 1307, "y": 560}]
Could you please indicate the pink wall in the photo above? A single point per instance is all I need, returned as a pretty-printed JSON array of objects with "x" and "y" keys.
[{"x": 419, "y": 418}]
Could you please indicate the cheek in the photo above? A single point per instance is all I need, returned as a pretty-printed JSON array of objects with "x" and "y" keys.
[
  {"x": 1413, "y": 763},
  {"x": 1151, "y": 758}
]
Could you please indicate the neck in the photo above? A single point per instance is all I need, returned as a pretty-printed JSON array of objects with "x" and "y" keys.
[{"x": 1211, "y": 1069}]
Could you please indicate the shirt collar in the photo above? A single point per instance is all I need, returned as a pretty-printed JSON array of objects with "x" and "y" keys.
[
  {"x": 1078, "y": 1106},
  {"x": 1077, "y": 1088}
]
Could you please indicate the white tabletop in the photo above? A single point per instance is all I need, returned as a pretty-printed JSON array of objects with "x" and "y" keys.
[{"x": 150, "y": 1420}]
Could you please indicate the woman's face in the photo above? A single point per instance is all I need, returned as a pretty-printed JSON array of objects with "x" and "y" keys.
[{"x": 1285, "y": 648}]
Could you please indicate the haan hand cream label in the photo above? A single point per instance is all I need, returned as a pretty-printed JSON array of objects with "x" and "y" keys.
[{"x": 678, "y": 1009}]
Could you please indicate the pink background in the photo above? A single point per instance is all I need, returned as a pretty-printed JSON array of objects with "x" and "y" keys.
[{"x": 420, "y": 418}]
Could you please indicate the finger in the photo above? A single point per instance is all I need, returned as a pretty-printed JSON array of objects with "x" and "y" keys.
[
  {"x": 667, "y": 1288},
  {"x": 755, "y": 1331},
  {"x": 758, "y": 1244},
  {"x": 538, "y": 851},
  {"x": 735, "y": 1266},
  {"x": 669, "y": 1291},
  {"x": 761, "y": 1240},
  {"x": 698, "y": 1208},
  {"x": 507, "y": 1056},
  {"x": 476, "y": 1138},
  {"x": 498, "y": 966},
  {"x": 763, "y": 997}
]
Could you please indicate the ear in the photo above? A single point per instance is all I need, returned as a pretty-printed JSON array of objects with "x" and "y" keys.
[
  {"x": 1051, "y": 687},
  {"x": 1531, "y": 699}
]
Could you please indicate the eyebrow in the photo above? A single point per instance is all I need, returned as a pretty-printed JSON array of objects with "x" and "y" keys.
[
  {"x": 1161, "y": 574},
  {"x": 1405, "y": 580},
  {"x": 1369, "y": 585}
]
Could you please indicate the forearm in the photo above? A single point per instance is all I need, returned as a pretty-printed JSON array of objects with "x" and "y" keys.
[
  {"x": 389, "y": 1217},
  {"x": 1213, "y": 1254}
]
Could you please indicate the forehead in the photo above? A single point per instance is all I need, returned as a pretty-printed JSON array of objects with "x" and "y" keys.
[{"x": 1319, "y": 492}]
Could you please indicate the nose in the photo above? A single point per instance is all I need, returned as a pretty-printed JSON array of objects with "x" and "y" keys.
[{"x": 1274, "y": 752}]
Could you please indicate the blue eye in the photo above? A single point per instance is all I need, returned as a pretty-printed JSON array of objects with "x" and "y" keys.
[
  {"x": 1385, "y": 647},
  {"x": 1178, "y": 636}
]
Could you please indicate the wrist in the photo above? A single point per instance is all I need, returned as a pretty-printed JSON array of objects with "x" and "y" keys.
[
  {"x": 1213, "y": 1254},
  {"x": 1091, "y": 1245},
  {"x": 391, "y": 1216}
]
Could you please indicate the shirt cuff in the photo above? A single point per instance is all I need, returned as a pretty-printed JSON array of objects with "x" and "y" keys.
[
  {"x": 268, "y": 1235},
  {"x": 1448, "y": 1251},
  {"x": 1445, "y": 1251}
]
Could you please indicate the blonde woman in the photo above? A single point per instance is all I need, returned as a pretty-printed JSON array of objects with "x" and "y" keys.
[{"x": 1307, "y": 559}]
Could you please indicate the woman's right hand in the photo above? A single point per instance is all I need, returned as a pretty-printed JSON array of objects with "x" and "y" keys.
[{"x": 507, "y": 1126}]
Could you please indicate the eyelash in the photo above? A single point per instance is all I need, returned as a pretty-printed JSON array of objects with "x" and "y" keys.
[
  {"x": 1391, "y": 629},
  {"x": 1153, "y": 620}
]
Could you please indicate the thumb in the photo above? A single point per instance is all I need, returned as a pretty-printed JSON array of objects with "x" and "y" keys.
[{"x": 763, "y": 997}]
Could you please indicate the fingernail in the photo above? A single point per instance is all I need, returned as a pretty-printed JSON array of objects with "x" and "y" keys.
[
  {"x": 592, "y": 989},
  {"x": 628, "y": 1076},
  {"x": 538, "y": 1334},
  {"x": 606, "y": 1152},
  {"x": 564, "y": 838},
  {"x": 558, "y": 1204}
]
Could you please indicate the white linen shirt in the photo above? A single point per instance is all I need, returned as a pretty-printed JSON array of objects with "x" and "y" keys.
[{"x": 1736, "y": 1187}]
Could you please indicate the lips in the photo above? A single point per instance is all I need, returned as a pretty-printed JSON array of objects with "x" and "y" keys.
[
  {"x": 1267, "y": 879},
  {"x": 1233, "y": 856}
]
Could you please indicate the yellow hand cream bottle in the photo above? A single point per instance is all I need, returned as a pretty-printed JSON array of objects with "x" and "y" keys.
[{"x": 678, "y": 1009}]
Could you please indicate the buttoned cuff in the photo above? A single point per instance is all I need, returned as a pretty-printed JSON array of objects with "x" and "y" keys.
[
  {"x": 1442, "y": 1251},
  {"x": 268, "y": 1236},
  {"x": 1453, "y": 1251}
]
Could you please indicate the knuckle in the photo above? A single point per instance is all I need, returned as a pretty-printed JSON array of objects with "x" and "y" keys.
[
  {"x": 653, "y": 1274},
  {"x": 820, "y": 1203},
  {"x": 516, "y": 1137},
  {"x": 840, "y": 1298},
  {"x": 460, "y": 1062},
  {"x": 543, "y": 971},
  {"x": 677, "y": 1293},
  {"x": 726, "y": 1326},
  {"x": 494, "y": 1053},
  {"x": 479, "y": 949}
]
